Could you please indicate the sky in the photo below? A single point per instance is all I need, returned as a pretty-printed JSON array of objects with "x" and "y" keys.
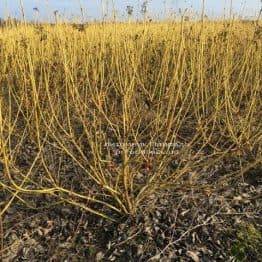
[{"x": 93, "y": 9}]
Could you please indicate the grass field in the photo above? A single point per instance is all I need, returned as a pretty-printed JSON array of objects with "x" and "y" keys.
[{"x": 105, "y": 115}]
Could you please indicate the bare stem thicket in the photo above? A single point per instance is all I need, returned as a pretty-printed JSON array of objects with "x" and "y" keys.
[{"x": 67, "y": 94}]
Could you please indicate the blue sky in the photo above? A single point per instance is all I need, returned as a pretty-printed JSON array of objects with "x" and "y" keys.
[{"x": 93, "y": 8}]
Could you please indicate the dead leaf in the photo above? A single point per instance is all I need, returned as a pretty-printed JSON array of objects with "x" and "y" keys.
[
  {"x": 193, "y": 256},
  {"x": 99, "y": 256}
]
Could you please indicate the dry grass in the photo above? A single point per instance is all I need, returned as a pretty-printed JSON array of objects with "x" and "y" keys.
[{"x": 66, "y": 93}]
